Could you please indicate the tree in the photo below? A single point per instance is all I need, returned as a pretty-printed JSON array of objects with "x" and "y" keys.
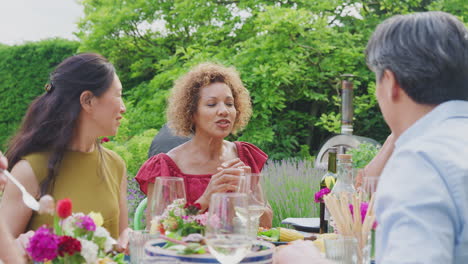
[{"x": 291, "y": 55}]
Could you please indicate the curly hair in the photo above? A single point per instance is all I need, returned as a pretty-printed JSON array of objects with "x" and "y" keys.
[{"x": 185, "y": 94}]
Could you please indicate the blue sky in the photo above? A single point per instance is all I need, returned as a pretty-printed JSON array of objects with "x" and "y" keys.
[{"x": 32, "y": 20}]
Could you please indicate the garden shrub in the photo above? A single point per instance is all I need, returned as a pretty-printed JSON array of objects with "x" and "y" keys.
[
  {"x": 24, "y": 70},
  {"x": 134, "y": 151}
]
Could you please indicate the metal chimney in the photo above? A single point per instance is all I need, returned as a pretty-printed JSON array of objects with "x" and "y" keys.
[{"x": 347, "y": 107}]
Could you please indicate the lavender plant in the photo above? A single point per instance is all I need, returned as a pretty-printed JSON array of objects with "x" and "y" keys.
[{"x": 290, "y": 186}]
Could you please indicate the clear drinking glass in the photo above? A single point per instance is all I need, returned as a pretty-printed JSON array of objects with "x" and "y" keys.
[
  {"x": 166, "y": 190},
  {"x": 346, "y": 250},
  {"x": 343, "y": 250},
  {"x": 136, "y": 243},
  {"x": 257, "y": 203},
  {"x": 227, "y": 227}
]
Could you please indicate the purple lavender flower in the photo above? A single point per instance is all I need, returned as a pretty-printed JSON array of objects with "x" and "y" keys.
[
  {"x": 319, "y": 195},
  {"x": 43, "y": 245},
  {"x": 86, "y": 222}
]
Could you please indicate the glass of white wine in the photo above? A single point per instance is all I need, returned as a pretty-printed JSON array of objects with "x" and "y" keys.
[
  {"x": 226, "y": 232},
  {"x": 257, "y": 203}
]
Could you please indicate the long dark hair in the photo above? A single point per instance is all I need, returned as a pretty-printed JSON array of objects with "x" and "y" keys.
[{"x": 49, "y": 123}]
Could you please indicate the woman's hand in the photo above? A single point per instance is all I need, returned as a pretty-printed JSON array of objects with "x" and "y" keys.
[
  {"x": 122, "y": 242},
  {"x": 225, "y": 180},
  {"x": 23, "y": 241},
  {"x": 234, "y": 163}
]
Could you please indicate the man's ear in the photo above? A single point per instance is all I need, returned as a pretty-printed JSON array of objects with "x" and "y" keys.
[
  {"x": 394, "y": 91},
  {"x": 86, "y": 100}
]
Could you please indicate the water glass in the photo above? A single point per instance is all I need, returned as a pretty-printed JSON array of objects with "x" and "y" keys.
[
  {"x": 166, "y": 190},
  {"x": 347, "y": 250},
  {"x": 227, "y": 227},
  {"x": 136, "y": 243},
  {"x": 343, "y": 250}
]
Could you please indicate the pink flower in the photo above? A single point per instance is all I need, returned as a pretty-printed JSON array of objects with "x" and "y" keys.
[
  {"x": 202, "y": 219},
  {"x": 364, "y": 207},
  {"x": 43, "y": 245},
  {"x": 86, "y": 222},
  {"x": 104, "y": 140},
  {"x": 319, "y": 195}
]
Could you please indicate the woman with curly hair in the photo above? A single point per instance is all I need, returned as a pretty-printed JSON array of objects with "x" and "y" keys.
[{"x": 209, "y": 103}]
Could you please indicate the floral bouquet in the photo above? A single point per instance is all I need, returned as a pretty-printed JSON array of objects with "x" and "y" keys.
[
  {"x": 75, "y": 238},
  {"x": 180, "y": 219}
]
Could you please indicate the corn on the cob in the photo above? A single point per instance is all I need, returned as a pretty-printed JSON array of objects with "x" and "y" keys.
[{"x": 287, "y": 235}]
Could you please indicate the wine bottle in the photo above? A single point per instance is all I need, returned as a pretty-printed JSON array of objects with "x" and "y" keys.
[{"x": 327, "y": 181}]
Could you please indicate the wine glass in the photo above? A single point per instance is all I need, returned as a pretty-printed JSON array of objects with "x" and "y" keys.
[
  {"x": 251, "y": 185},
  {"x": 227, "y": 227},
  {"x": 166, "y": 191}
]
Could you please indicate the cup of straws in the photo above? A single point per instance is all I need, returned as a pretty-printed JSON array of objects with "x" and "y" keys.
[{"x": 354, "y": 219}]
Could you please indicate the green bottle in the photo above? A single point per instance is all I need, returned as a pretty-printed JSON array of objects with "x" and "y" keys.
[{"x": 327, "y": 181}]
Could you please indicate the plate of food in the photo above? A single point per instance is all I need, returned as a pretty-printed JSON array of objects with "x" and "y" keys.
[{"x": 280, "y": 235}]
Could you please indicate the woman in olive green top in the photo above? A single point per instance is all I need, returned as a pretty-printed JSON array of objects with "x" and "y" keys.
[{"x": 56, "y": 151}]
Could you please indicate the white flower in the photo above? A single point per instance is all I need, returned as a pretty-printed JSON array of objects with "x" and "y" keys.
[
  {"x": 68, "y": 224},
  {"x": 89, "y": 251},
  {"x": 102, "y": 232},
  {"x": 179, "y": 211}
]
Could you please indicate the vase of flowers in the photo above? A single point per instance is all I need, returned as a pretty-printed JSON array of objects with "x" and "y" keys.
[
  {"x": 74, "y": 238},
  {"x": 180, "y": 219},
  {"x": 181, "y": 227}
]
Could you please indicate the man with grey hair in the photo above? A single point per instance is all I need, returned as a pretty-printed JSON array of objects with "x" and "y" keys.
[{"x": 421, "y": 66}]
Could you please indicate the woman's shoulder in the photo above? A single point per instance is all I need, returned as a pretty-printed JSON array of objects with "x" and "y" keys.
[
  {"x": 158, "y": 165},
  {"x": 112, "y": 155},
  {"x": 42, "y": 155},
  {"x": 251, "y": 155},
  {"x": 37, "y": 160},
  {"x": 244, "y": 148}
]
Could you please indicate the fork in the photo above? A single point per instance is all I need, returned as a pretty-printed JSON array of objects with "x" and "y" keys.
[{"x": 28, "y": 199}]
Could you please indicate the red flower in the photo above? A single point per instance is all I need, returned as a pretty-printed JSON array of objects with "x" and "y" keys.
[
  {"x": 189, "y": 204},
  {"x": 68, "y": 245},
  {"x": 64, "y": 208},
  {"x": 161, "y": 229},
  {"x": 192, "y": 208},
  {"x": 104, "y": 139}
]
